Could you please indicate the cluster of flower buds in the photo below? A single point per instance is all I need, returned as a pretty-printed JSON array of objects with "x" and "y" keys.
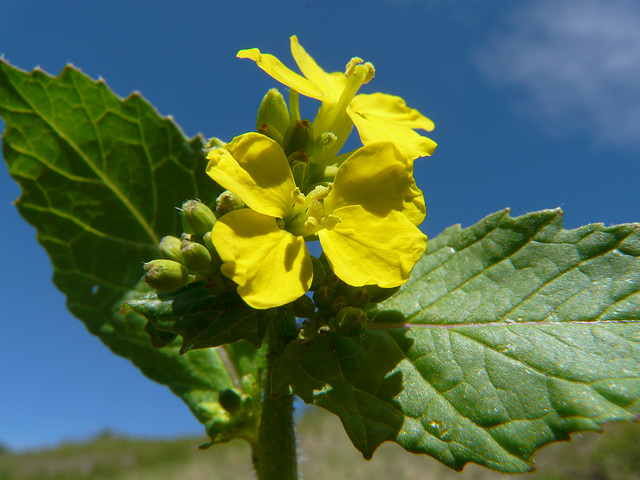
[
  {"x": 190, "y": 258},
  {"x": 334, "y": 305},
  {"x": 296, "y": 137}
]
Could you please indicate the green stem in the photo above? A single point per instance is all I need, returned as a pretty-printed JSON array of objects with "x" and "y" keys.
[{"x": 274, "y": 454}]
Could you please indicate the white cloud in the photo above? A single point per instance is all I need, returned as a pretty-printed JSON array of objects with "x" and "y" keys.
[{"x": 578, "y": 63}]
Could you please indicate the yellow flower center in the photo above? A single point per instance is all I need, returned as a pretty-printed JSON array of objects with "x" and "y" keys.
[{"x": 308, "y": 214}]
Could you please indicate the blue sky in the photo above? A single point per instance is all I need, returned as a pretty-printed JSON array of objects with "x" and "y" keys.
[{"x": 536, "y": 105}]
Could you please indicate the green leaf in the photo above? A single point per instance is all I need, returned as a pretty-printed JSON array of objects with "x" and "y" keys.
[
  {"x": 101, "y": 178},
  {"x": 203, "y": 320},
  {"x": 510, "y": 334}
]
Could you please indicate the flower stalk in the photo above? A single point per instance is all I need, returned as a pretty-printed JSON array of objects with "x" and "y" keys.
[{"x": 274, "y": 454}]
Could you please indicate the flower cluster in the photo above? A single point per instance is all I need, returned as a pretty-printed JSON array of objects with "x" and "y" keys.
[
  {"x": 288, "y": 184},
  {"x": 293, "y": 187}
]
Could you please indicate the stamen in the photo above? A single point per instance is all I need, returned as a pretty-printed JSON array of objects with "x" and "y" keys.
[
  {"x": 297, "y": 197},
  {"x": 319, "y": 192},
  {"x": 330, "y": 221},
  {"x": 310, "y": 225},
  {"x": 315, "y": 209},
  {"x": 352, "y": 65}
]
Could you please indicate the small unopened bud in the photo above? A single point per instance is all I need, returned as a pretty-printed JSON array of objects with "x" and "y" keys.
[
  {"x": 323, "y": 296},
  {"x": 272, "y": 133},
  {"x": 228, "y": 201},
  {"x": 338, "y": 304},
  {"x": 273, "y": 111},
  {"x": 303, "y": 307},
  {"x": 349, "y": 322},
  {"x": 165, "y": 275},
  {"x": 319, "y": 274},
  {"x": 170, "y": 248},
  {"x": 299, "y": 170},
  {"x": 206, "y": 238},
  {"x": 196, "y": 256},
  {"x": 230, "y": 400},
  {"x": 358, "y": 297},
  {"x": 299, "y": 136},
  {"x": 378, "y": 294},
  {"x": 216, "y": 261},
  {"x": 197, "y": 217}
]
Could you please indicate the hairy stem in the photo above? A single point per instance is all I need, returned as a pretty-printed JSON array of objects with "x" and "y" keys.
[{"x": 274, "y": 455}]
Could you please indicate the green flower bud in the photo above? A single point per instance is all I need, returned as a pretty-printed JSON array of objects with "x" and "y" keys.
[
  {"x": 299, "y": 170},
  {"x": 338, "y": 304},
  {"x": 216, "y": 261},
  {"x": 334, "y": 282},
  {"x": 165, "y": 275},
  {"x": 230, "y": 400},
  {"x": 319, "y": 273},
  {"x": 197, "y": 218},
  {"x": 170, "y": 248},
  {"x": 273, "y": 111},
  {"x": 349, "y": 322},
  {"x": 323, "y": 296},
  {"x": 378, "y": 294},
  {"x": 303, "y": 307},
  {"x": 272, "y": 133},
  {"x": 206, "y": 238},
  {"x": 196, "y": 256},
  {"x": 299, "y": 136},
  {"x": 358, "y": 297},
  {"x": 228, "y": 201}
]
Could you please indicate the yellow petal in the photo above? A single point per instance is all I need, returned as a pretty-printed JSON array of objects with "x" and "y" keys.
[
  {"x": 331, "y": 84},
  {"x": 366, "y": 249},
  {"x": 385, "y": 117},
  {"x": 271, "y": 266},
  {"x": 379, "y": 177},
  {"x": 255, "y": 168},
  {"x": 281, "y": 73}
]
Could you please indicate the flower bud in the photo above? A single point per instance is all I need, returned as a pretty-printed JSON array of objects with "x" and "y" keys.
[
  {"x": 378, "y": 294},
  {"x": 358, "y": 297},
  {"x": 273, "y": 112},
  {"x": 268, "y": 131},
  {"x": 299, "y": 136},
  {"x": 165, "y": 275},
  {"x": 197, "y": 218},
  {"x": 170, "y": 248},
  {"x": 216, "y": 261},
  {"x": 196, "y": 256},
  {"x": 338, "y": 304},
  {"x": 299, "y": 170},
  {"x": 319, "y": 273},
  {"x": 323, "y": 296},
  {"x": 230, "y": 400},
  {"x": 349, "y": 322},
  {"x": 228, "y": 201},
  {"x": 303, "y": 307}
]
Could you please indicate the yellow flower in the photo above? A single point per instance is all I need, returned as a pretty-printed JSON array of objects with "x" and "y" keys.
[
  {"x": 369, "y": 237},
  {"x": 378, "y": 117}
]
